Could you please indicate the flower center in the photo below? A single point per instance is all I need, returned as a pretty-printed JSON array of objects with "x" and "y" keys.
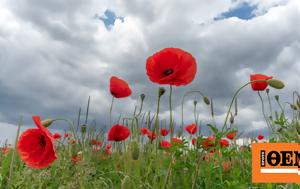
[
  {"x": 168, "y": 72},
  {"x": 42, "y": 141}
]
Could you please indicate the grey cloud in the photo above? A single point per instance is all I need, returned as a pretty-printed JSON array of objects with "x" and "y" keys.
[{"x": 58, "y": 56}]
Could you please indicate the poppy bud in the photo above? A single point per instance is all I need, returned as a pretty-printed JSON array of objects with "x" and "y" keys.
[
  {"x": 267, "y": 91},
  {"x": 294, "y": 107},
  {"x": 231, "y": 118},
  {"x": 143, "y": 97},
  {"x": 206, "y": 100},
  {"x": 277, "y": 84},
  {"x": 83, "y": 128},
  {"x": 276, "y": 97},
  {"x": 47, "y": 122},
  {"x": 135, "y": 150},
  {"x": 195, "y": 102},
  {"x": 161, "y": 91}
]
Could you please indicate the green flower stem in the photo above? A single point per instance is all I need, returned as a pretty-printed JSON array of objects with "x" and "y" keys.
[
  {"x": 171, "y": 117},
  {"x": 263, "y": 111},
  {"x": 195, "y": 114},
  {"x": 182, "y": 103},
  {"x": 270, "y": 107},
  {"x": 110, "y": 111},
  {"x": 141, "y": 107},
  {"x": 11, "y": 168},
  {"x": 234, "y": 97},
  {"x": 168, "y": 174},
  {"x": 156, "y": 123}
]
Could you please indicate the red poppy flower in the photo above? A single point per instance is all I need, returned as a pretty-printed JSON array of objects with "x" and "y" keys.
[
  {"x": 260, "y": 137},
  {"x": 164, "y": 132},
  {"x": 226, "y": 165},
  {"x": 231, "y": 135},
  {"x": 176, "y": 140},
  {"x": 72, "y": 141},
  {"x": 36, "y": 146},
  {"x": 171, "y": 66},
  {"x": 208, "y": 142},
  {"x": 194, "y": 141},
  {"x": 259, "y": 86},
  {"x": 191, "y": 129},
  {"x": 56, "y": 135},
  {"x": 224, "y": 143},
  {"x": 144, "y": 131},
  {"x": 118, "y": 133},
  {"x": 95, "y": 149},
  {"x": 151, "y": 136},
  {"x": 68, "y": 135},
  {"x": 99, "y": 143},
  {"x": 107, "y": 149},
  {"x": 208, "y": 156},
  {"x": 93, "y": 142},
  {"x": 119, "y": 88},
  {"x": 75, "y": 159},
  {"x": 5, "y": 150},
  {"x": 165, "y": 144}
]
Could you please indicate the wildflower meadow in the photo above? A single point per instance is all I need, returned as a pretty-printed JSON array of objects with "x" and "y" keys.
[{"x": 144, "y": 151}]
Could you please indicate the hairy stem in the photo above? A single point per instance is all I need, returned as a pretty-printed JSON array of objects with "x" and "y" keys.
[{"x": 171, "y": 117}]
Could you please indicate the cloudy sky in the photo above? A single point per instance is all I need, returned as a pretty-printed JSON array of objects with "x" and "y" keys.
[{"x": 55, "y": 54}]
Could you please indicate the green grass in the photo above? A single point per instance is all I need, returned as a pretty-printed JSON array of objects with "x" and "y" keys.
[{"x": 136, "y": 163}]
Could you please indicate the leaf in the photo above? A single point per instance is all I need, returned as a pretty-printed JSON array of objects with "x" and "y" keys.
[{"x": 213, "y": 128}]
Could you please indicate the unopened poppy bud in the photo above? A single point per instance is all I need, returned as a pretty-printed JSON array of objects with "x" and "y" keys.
[
  {"x": 276, "y": 97},
  {"x": 231, "y": 118},
  {"x": 47, "y": 122},
  {"x": 135, "y": 150},
  {"x": 83, "y": 128},
  {"x": 195, "y": 102},
  {"x": 267, "y": 91},
  {"x": 277, "y": 84},
  {"x": 206, "y": 100},
  {"x": 143, "y": 97},
  {"x": 294, "y": 107},
  {"x": 161, "y": 91}
]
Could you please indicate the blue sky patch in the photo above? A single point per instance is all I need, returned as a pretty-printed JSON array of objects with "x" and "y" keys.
[
  {"x": 109, "y": 18},
  {"x": 243, "y": 11}
]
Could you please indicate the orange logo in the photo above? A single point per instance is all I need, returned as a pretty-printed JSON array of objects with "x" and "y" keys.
[{"x": 276, "y": 163}]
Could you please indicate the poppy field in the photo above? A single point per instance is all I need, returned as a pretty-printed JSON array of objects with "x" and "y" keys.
[{"x": 143, "y": 150}]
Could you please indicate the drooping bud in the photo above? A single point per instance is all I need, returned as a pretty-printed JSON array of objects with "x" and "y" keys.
[
  {"x": 276, "y": 97},
  {"x": 161, "y": 91},
  {"x": 195, "y": 103},
  {"x": 135, "y": 150},
  {"x": 143, "y": 96},
  {"x": 235, "y": 107},
  {"x": 47, "y": 122},
  {"x": 294, "y": 107},
  {"x": 277, "y": 84},
  {"x": 206, "y": 100},
  {"x": 231, "y": 118},
  {"x": 212, "y": 108},
  {"x": 267, "y": 90}
]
